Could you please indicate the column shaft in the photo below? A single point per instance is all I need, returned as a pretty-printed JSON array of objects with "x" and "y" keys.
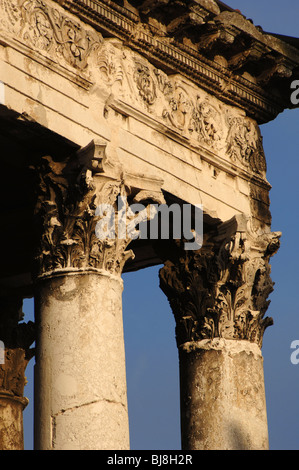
[
  {"x": 80, "y": 393},
  {"x": 223, "y": 404},
  {"x": 11, "y": 421},
  {"x": 15, "y": 341}
]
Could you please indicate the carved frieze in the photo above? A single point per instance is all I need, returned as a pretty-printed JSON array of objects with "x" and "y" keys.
[
  {"x": 10, "y": 15},
  {"x": 110, "y": 63},
  {"x": 245, "y": 144},
  {"x": 177, "y": 104},
  {"x": 171, "y": 100},
  {"x": 214, "y": 46},
  {"x": 207, "y": 122},
  {"x": 174, "y": 36},
  {"x": 145, "y": 83},
  {"x": 221, "y": 290},
  {"x": 46, "y": 29},
  {"x": 200, "y": 118}
]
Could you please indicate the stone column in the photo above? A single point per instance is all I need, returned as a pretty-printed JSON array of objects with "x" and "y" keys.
[
  {"x": 81, "y": 396},
  {"x": 218, "y": 295},
  {"x": 83, "y": 217},
  {"x": 16, "y": 339}
]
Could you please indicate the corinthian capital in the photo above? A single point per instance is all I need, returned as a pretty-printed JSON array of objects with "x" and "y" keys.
[
  {"x": 221, "y": 290},
  {"x": 73, "y": 199}
]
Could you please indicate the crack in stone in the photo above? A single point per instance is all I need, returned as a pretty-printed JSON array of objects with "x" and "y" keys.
[
  {"x": 61, "y": 412},
  {"x": 87, "y": 404}
]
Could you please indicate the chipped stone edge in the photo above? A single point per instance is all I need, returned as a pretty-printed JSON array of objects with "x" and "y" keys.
[
  {"x": 77, "y": 271},
  {"x": 232, "y": 346}
]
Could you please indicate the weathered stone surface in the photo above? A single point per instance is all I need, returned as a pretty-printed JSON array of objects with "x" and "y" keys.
[
  {"x": 16, "y": 338},
  {"x": 81, "y": 398},
  {"x": 219, "y": 297},
  {"x": 146, "y": 112},
  {"x": 11, "y": 421},
  {"x": 80, "y": 359},
  {"x": 69, "y": 195},
  {"x": 153, "y": 101},
  {"x": 221, "y": 290},
  {"x": 223, "y": 403}
]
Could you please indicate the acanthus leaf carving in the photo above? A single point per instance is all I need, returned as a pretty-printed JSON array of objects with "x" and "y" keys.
[
  {"x": 50, "y": 31},
  {"x": 199, "y": 117},
  {"x": 245, "y": 144},
  {"x": 110, "y": 63},
  {"x": 221, "y": 290},
  {"x": 11, "y": 14},
  {"x": 69, "y": 196},
  {"x": 206, "y": 122},
  {"x": 177, "y": 112}
]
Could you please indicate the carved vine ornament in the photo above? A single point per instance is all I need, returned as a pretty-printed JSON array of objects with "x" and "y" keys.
[
  {"x": 171, "y": 100},
  {"x": 221, "y": 290},
  {"x": 47, "y": 30}
]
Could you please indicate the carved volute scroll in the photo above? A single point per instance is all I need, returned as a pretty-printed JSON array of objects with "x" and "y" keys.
[
  {"x": 68, "y": 197},
  {"x": 17, "y": 339},
  {"x": 221, "y": 290}
]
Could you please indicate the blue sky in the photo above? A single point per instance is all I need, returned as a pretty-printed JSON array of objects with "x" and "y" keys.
[{"x": 151, "y": 353}]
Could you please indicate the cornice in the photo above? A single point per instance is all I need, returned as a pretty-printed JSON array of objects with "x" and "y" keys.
[{"x": 228, "y": 49}]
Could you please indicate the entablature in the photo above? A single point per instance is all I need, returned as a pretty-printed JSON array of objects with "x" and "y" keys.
[
  {"x": 154, "y": 98},
  {"x": 111, "y": 75},
  {"x": 211, "y": 44}
]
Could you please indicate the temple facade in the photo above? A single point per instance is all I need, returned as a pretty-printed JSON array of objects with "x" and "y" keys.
[{"x": 110, "y": 110}]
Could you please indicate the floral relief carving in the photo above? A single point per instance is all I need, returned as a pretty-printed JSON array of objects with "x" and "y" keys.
[
  {"x": 179, "y": 107},
  {"x": 110, "y": 65},
  {"x": 206, "y": 122},
  {"x": 194, "y": 116},
  {"x": 48, "y": 30},
  {"x": 41, "y": 31},
  {"x": 145, "y": 84},
  {"x": 201, "y": 118},
  {"x": 164, "y": 83},
  {"x": 245, "y": 144},
  {"x": 178, "y": 111},
  {"x": 75, "y": 44},
  {"x": 10, "y": 14}
]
